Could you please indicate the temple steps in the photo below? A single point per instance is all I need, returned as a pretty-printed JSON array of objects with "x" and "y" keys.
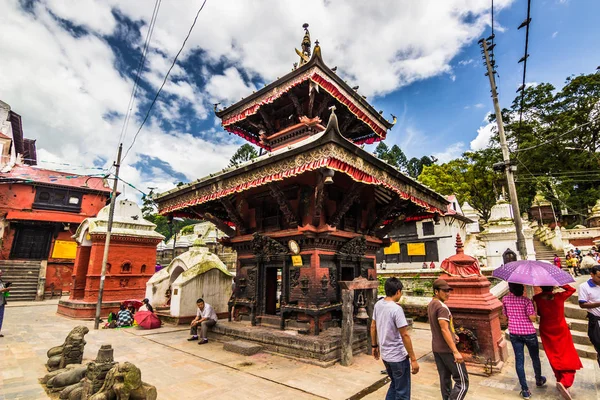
[
  {"x": 24, "y": 276},
  {"x": 546, "y": 253},
  {"x": 573, "y": 311}
]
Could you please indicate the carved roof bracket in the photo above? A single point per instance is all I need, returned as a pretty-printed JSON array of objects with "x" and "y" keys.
[
  {"x": 354, "y": 247},
  {"x": 284, "y": 205},
  {"x": 384, "y": 214},
  {"x": 349, "y": 199},
  {"x": 234, "y": 215},
  {"x": 265, "y": 247}
]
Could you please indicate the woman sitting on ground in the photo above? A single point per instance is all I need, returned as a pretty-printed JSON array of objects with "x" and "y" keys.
[
  {"x": 146, "y": 306},
  {"x": 124, "y": 317}
]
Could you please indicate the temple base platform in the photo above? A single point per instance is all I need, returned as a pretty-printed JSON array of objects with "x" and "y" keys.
[
  {"x": 85, "y": 310},
  {"x": 323, "y": 350}
]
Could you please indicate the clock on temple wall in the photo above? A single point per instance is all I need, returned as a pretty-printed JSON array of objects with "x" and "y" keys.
[{"x": 294, "y": 247}]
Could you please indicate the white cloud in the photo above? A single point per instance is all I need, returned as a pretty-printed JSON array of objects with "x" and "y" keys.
[
  {"x": 479, "y": 105},
  {"x": 228, "y": 88},
  {"x": 466, "y": 62},
  {"x": 484, "y": 134},
  {"x": 555, "y": 34},
  {"x": 65, "y": 86},
  {"x": 452, "y": 152}
]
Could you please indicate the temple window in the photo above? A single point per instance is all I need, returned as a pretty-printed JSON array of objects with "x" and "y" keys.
[
  {"x": 428, "y": 229},
  {"x": 143, "y": 270},
  {"x": 126, "y": 268},
  {"x": 57, "y": 199}
]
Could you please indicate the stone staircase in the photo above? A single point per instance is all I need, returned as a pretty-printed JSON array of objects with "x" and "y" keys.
[
  {"x": 24, "y": 276},
  {"x": 577, "y": 321},
  {"x": 546, "y": 253}
]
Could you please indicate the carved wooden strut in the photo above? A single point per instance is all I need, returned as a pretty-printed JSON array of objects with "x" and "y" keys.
[{"x": 284, "y": 205}]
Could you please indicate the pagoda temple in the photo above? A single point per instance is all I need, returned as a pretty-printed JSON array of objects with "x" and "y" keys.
[{"x": 315, "y": 208}]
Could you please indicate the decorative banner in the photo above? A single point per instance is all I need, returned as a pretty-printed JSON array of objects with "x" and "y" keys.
[
  {"x": 415, "y": 249},
  {"x": 64, "y": 249},
  {"x": 393, "y": 248},
  {"x": 297, "y": 261}
]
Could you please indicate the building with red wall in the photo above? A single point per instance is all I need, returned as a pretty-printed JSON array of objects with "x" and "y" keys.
[
  {"x": 40, "y": 210},
  {"x": 130, "y": 264}
]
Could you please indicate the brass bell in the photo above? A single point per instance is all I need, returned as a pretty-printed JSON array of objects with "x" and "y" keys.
[
  {"x": 328, "y": 175},
  {"x": 362, "y": 311}
]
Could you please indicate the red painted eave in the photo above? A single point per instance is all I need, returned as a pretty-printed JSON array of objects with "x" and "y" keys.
[{"x": 46, "y": 216}]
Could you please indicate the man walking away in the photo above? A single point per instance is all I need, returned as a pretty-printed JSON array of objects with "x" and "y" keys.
[
  {"x": 450, "y": 363},
  {"x": 389, "y": 334},
  {"x": 521, "y": 315},
  {"x": 589, "y": 299},
  {"x": 206, "y": 317},
  {"x": 3, "y": 292}
]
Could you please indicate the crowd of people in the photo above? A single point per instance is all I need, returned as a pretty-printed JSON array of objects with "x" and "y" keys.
[
  {"x": 125, "y": 317},
  {"x": 577, "y": 262},
  {"x": 392, "y": 343}
]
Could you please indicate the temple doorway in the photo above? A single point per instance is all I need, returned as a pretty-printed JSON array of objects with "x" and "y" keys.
[{"x": 273, "y": 290}]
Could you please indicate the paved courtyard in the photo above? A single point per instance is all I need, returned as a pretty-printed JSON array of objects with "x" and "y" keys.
[{"x": 184, "y": 370}]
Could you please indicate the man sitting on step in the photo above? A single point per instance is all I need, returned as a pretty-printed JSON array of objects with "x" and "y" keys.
[{"x": 206, "y": 317}]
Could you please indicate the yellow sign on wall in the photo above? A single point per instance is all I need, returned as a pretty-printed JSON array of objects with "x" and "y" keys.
[
  {"x": 393, "y": 248},
  {"x": 415, "y": 249},
  {"x": 64, "y": 249},
  {"x": 297, "y": 261}
]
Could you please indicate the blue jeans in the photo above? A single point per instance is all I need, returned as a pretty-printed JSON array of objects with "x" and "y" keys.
[
  {"x": 2, "y": 306},
  {"x": 519, "y": 342},
  {"x": 399, "y": 372}
]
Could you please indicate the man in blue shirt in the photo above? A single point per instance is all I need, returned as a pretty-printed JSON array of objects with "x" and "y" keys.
[{"x": 391, "y": 341}]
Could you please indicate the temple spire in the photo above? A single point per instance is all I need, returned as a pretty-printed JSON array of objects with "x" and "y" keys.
[{"x": 305, "y": 46}]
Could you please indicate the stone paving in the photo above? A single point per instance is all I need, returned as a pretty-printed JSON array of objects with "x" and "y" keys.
[{"x": 184, "y": 370}]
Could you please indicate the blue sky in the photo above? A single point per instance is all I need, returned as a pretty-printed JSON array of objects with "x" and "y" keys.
[{"x": 68, "y": 69}]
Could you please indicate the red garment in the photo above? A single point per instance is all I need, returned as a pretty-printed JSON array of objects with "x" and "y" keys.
[
  {"x": 555, "y": 333},
  {"x": 565, "y": 377},
  {"x": 557, "y": 262}
]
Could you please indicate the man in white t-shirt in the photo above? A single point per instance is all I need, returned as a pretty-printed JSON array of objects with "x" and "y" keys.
[
  {"x": 206, "y": 317},
  {"x": 389, "y": 334},
  {"x": 589, "y": 299}
]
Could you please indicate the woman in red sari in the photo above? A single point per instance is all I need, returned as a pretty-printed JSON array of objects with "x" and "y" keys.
[{"x": 556, "y": 336}]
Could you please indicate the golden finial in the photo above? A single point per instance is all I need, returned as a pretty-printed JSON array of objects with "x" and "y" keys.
[
  {"x": 305, "y": 46},
  {"x": 395, "y": 119},
  {"x": 317, "y": 50}
]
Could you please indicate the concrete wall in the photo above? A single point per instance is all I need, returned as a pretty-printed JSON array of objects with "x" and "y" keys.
[{"x": 212, "y": 286}]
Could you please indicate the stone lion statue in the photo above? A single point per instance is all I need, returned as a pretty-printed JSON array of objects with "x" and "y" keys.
[
  {"x": 124, "y": 382},
  {"x": 70, "y": 352}
]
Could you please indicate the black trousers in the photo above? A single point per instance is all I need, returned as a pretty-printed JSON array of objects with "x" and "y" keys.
[
  {"x": 594, "y": 333},
  {"x": 449, "y": 371}
]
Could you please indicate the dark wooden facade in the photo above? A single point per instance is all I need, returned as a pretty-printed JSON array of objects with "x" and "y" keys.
[{"x": 315, "y": 187}]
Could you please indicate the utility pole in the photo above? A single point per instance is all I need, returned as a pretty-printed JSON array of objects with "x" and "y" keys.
[
  {"x": 111, "y": 214},
  {"x": 507, "y": 167}
]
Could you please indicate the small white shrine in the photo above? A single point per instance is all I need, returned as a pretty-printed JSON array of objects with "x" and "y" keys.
[
  {"x": 195, "y": 274},
  {"x": 500, "y": 235}
]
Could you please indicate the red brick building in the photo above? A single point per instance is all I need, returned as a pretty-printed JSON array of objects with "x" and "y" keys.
[
  {"x": 40, "y": 210},
  {"x": 130, "y": 264}
]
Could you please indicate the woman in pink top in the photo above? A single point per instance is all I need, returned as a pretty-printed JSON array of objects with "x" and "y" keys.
[
  {"x": 521, "y": 314},
  {"x": 557, "y": 261}
]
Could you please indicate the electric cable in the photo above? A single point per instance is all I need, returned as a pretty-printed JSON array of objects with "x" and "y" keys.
[
  {"x": 164, "y": 81},
  {"x": 139, "y": 69}
]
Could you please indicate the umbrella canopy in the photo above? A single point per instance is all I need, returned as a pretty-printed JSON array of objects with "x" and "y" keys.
[
  {"x": 534, "y": 273},
  {"x": 147, "y": 320},
  {"x": 135, "y": 303}
]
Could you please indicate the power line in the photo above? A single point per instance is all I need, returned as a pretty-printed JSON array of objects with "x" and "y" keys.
[
  {"x": 525, "y": 24},
  {"x": 165, "y": 80},
  {"x": 139, "y": 71},
  {"x": 537, "y": 180},
  {"x": 557, "y": 137}
]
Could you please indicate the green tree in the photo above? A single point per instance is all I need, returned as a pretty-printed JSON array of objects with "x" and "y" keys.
[
  {"x": 470, "y": 177},
  {"x": 394, "y": 156},
  {"x": 245, "y": 153},
  {"x": 163, "y": 226},
  {"x": 415, "y": 165},
  {"x": 556, "y": 143}
]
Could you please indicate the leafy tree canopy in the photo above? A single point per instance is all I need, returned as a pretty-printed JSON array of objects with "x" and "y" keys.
[{"x": 245, "y": 153}]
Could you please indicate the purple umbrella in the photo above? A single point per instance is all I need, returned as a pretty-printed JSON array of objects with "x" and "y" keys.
[{"x": 534, "y": 273}]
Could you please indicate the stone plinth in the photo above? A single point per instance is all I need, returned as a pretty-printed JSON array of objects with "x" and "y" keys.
[
  {"x": 476, "y": 311},
  {"x": 241, "y": 347}
]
